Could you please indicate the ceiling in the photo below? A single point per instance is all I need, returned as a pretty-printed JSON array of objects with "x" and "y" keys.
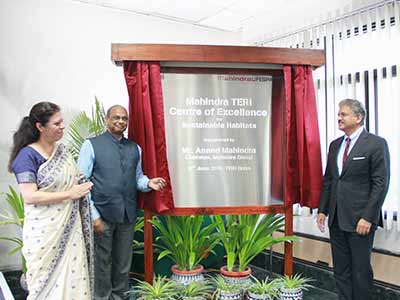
[{"x": 254, "y": 19}]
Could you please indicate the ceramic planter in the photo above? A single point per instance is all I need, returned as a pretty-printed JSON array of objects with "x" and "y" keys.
[
  {"x": 291, "y": 294},
  {"x": 184, "y": 277},
  {"x": 254, "y": 296},
  {"x": 235, "y": 277},
  {"x": 225, "y": 295}
]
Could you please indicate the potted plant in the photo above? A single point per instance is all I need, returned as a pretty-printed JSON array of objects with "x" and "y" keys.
[
  {"x": 225, "y": 290},
  {"x": 244, "y": 237},
  {"x": 16, "y": 217},
  {"x": 161, "y": 289},
  {"x": 263, "y": 289},
  {"x": 196, "y": 290},
  {"x": 292, "y": 287},
  {"x": 186, "y": 241}
]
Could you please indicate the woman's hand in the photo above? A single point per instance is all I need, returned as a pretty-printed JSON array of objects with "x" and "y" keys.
[{"x": 80, "y": 190}]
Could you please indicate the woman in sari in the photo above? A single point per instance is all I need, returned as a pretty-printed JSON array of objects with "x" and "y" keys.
[{"x": 57, "y": 230}]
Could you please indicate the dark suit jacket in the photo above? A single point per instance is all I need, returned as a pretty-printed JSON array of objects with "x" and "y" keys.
[{"x": 360, "y": 190}]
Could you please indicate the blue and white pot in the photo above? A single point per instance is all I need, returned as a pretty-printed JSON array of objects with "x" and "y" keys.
[
  {"x": 184, "y": 277},
  {"x": 291, "y": 294},
  {"x": 254, "y": 296},
  {"x": 235, "y": 277},
  {"x": 225, "y": 295}
]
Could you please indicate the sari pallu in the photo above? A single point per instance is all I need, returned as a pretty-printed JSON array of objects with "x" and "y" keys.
[{"x": 58, "y": 245}]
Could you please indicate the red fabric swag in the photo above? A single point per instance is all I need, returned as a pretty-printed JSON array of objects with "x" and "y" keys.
[
  {"x": 277, "y": 133},
  {"x": 146, "y": 127},
  {"x": 303, "y": 159}
]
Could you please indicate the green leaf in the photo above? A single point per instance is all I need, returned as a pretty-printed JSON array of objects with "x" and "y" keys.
[
  {"x": 15, "y": 250},
  {"x": 18, "y": 241},
  {"x": 82, "y": 127},
  {"x": 245, "y": 236},
  {"x": 14, "y": 217},
  {"x": 186, "y": 238},
  {"x": 163, "y": 254}
]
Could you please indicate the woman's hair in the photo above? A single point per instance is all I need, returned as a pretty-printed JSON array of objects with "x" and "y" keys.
[{"x": 27, "y": 132}]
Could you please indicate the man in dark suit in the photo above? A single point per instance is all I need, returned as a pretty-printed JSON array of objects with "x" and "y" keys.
[{"x": 355, "y": 184}]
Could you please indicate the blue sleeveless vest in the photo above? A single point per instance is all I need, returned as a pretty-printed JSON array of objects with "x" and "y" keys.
[{"x": 114, "y": 191}]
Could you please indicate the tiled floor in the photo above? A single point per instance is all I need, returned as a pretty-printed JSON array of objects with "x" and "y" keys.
[
  {"x": 319, "y": 294},
  {"x": 322, "y": 277}
]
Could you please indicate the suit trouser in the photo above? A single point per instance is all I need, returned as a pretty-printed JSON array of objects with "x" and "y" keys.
[
  {"x": 351, "y": 255},
  {"x": 113, "y": 258}
]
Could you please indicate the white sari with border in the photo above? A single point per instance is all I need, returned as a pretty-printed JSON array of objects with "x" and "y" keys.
[{"x": 58, "y": 239}]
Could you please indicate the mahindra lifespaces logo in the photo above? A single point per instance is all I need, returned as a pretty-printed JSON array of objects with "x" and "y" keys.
[{"x": 244, "y": 78}]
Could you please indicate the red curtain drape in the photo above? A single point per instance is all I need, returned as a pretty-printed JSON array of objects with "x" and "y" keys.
[
  {"x": 303, "y": 172},
  {"x": 303, "y": 151},
  {"x": 146, "y": 127},
  {"x": 277, "y": 133}
]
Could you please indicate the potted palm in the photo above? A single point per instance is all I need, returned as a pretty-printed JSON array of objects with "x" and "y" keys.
[
  {"x": 186, "y": 240},
  {"x": 225, "y": 290},
  {"x": 161, "y": 289},
  {"x": 196, "y": 290},
  {"x": 263, "y": 289},
  {"x": 16, "y": 217},
  {"x": 82, "y": 127},
  {"x": 244, "y": 237},
  {"x": 292, "y": 287}
]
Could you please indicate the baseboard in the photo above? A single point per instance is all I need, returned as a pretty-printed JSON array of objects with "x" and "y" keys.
[{"x": 5, "y": 292}]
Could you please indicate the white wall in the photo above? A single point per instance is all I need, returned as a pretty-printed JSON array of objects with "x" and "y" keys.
[{"x": 60, "y": 51}]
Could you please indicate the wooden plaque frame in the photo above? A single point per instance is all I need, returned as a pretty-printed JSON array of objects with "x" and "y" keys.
[{"x": 219, "y": 54}]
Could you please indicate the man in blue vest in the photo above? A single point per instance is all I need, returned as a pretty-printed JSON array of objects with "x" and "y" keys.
[{"x": 113, "y": 164}]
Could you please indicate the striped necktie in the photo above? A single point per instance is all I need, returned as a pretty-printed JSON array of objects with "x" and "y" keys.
[{"x": 346, "y": 151}]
